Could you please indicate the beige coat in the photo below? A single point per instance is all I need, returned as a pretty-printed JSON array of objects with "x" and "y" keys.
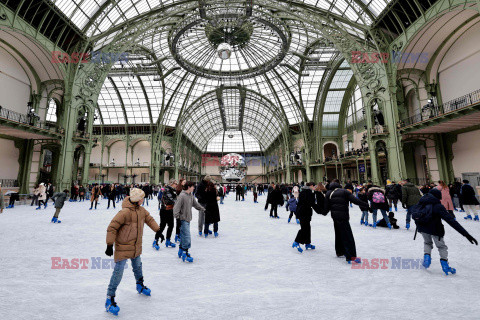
[
  {"x": 41, "y": 193},
  {"x": 126, "y": 230}
]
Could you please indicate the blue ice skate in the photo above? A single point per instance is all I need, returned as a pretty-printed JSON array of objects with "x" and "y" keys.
[
  {"x": 309, "y": 246},
  {"x": 155, "y": 245},
  {"x": 200, "y": 233},
  {"x": 469, "y": 217},
  {"x": 55, "y": 220},
  {"x": 111, "y": 306},
  {"x": 446, "y": 268},
  {"x": 297, "y": 245},
  {"x": 427, "y": 260},
  {"x": 177, "y": 238},
  {"x": 374, "y": 225},
  {"x": 289, "y": 220},
  {"x": 215, "y": 234},
  {"x": 361, "y": 222},
  {"x": 298, "y": 221},
  {"x": 180, "y": 252},
  {"x": 407, "y": 226},
  {"x": 356, "y": 260},
  {"x": 389, "y": 226},
  {"x": 170, "y": 244},
  {"x": 141, "y": 289},
  {"x": 476, "y": 219},
  {"x": 186, "y": 256}
]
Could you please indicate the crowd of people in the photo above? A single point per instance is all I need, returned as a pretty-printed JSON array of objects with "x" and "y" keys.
[{"x": 427, "y": 205}]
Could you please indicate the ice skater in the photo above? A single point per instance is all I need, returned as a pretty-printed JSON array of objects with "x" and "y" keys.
[
  {"x": 126, "y": 232},
  {"x": 306, "y": 202},
  {"x": 183, "y": 211},
  {"x": 166, "y": 213},
  {"x": 337, "y": 202},
  {"x": 96, "y": 193},
  {"x": 58, "y": 202},
  {"x": 428, "y": 216},
  {"x": 292, "y": 206}
]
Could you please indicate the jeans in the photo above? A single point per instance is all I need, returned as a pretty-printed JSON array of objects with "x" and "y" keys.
[
  {"x": 365, "y": 215},
  {"x": 221, "y": 200},
  {"x": 118, "y": 274},
  {"x": 185, "y": 239},
  {"x": 409, "y": 214},
  {"x": 384, "y": 214}
]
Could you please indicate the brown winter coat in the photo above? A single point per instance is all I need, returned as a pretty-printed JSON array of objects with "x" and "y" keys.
[{"x": 126, "y": 230}]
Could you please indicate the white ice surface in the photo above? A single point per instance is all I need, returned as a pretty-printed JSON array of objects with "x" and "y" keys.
[{"x": 249, "y": 272}]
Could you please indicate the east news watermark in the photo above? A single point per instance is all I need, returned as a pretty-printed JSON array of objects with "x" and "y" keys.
[
  {"x": 89, "y": 57},
  {"x": 392, "y": 57},
  {"x": 394, "y": 263}
]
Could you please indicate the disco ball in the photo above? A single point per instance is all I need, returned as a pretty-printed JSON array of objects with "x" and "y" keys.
[{"x": 224, "y": 51}]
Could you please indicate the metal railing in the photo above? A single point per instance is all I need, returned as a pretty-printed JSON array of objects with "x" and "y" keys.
[
  {"x": 9, "y": 183},
  {"x": 14, "y": 116},
  {"x": 436, "y": 111}
]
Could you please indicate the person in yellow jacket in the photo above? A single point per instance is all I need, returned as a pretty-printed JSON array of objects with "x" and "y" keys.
[{"x": 126, "y": 232}]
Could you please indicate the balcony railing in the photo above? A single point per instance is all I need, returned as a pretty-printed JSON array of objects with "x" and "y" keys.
[
  {"x": 8, "y": 183},
  {"x": 436, "y": 111},
  {"x": 14, "y": 116}
]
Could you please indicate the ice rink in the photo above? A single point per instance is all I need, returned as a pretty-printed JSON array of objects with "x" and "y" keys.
[{"x": 249, "y": 272}]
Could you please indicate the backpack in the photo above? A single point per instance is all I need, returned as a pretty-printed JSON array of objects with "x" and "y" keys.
[
  {"x": 422, "y": 214},
  {"x": 378, "y": 197}
]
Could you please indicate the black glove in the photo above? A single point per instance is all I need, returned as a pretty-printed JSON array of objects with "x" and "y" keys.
[
  {"x": 404, "y": 206},
  {"x": 370, "y": 209},
  {"x": 109, "y": 251},
  {"x": 159, "y": 235},
  {"x": 472, "y": 240}
]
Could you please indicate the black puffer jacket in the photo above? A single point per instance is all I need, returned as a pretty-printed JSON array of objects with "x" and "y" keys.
[
  {"x": 337, "y": 203},
  {"x": 435, "y": 225},
  {"x": 364, "y": 198},
  {"x": 169, "y": 197},
  {"x": 201, "y": 192},
  {"x": 467, "y": 195},
  {"x": 379, "y": 206},
  {"x": 306, "y": 202},
  {"x": 275, "y": 197},
  {"x": 391, "y": 192}
]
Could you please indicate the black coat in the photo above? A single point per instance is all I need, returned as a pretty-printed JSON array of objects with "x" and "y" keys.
[
  {"x": 212, "y": 213},
  {"x": 112, "y": 194},
  {"x": 275, "y": 197},
  {"x": 364, "y": 198},
  {"x": 306, "y": 202},
  {"x": 338, "y": 202},
  {"x": 380, "y": 206},
  {"x": 467, "y": 195},
  {"x": 201, "y": 192},
  {"x": 435, "y": 225},
  {"x": 391, "y": 192}
]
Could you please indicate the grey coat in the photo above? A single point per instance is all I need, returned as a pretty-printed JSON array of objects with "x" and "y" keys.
[
  {"x": 183, "y": 207},
  {"x": 59, "y": 198}
]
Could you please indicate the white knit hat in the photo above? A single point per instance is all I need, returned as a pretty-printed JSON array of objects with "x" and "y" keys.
[{"x": 136, "y": 195}]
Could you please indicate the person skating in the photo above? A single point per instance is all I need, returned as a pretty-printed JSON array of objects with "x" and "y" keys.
[
  {"x": 392, "y": 195},
  {"x": 255, "y": 193},
  {"x": 183, "y": 210},
  {"x": 200, "y": 194},
  {"x": 126, "y": 232},
  {"x": 166, "y": 213},
  {"x": 275, "y": 198},
  {"x": 469, "y": 201},
  {"x": 178, "y": 190},
  {"x": 221, "y": 193},
  {"x": 292, "y": 206},
  {"x": 428, "y": 216},
  {"x": 362, "y": 195},
  {"x": 212, "y": 212},
  {"x": 410, "y": 197},
  {"x": 42, "y": 196},
  {"x": 59, "y": 201},
  {"x": 307, "y": 203},
  {"x": 238, "y": 192},
  {"x": 96, "y": 193},
  {"x": 337, "y": 201},
  {"x": 378, "y": 201},
  {"x": 112, "y": 194}
]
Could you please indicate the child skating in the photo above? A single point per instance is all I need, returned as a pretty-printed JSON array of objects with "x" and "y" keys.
[{"x": 126, "y": 232}]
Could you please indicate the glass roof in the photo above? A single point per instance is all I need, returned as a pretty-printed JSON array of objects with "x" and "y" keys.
[
  {"x": 233, "y": 141},
  {"x": 112, "y": 13}
]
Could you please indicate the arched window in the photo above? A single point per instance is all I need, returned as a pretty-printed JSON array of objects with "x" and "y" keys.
[{"x": 355, "y": 113}]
